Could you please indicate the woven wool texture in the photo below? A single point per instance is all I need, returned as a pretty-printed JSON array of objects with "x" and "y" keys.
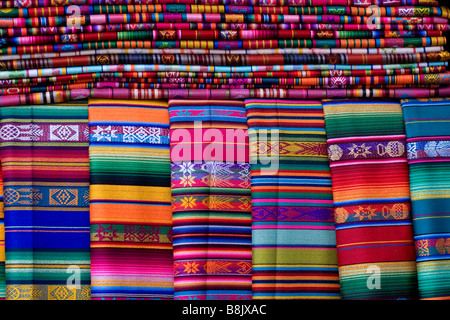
[
  {"x": 45, "y": 164},
  {"x": 211, "y": 200},
  {"x": 428, "y": 146},
  {"x": 293, "y": 238},
  {"x": 131, "y": 221},
  {"x": 2, "y": 246},
  {"x": 372, "y": 209}
]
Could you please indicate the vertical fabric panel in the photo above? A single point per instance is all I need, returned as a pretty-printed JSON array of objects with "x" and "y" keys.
[
  {"x": 294, "y": 242},
  {"x": 366, "y": 147},
  {"x": 131, "y": 219},
  {"x": 45, "y": 163},
  {"x": 210, "y": 200},
  {"x": 2, "y": 243},
  {"x": 427, "y": 123}
]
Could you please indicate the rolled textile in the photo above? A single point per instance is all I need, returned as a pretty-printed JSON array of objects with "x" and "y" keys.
[
  {"x": 263, "y": 3},
  {"x": 210, "y": 200},
  {"x": 226, "y": 60},
  {"x": 439, "y": 78},
  {"x": 404, "y": 11},
  {"x": 393, "y": 28},
  {"x": 151, "y": 76},
  {"x": 289, "y": 83},
  {"x": 98, "y": 19},
  {"x": 143, "y": 51},
  {"x": 199, "y": 85},
  {"x": 195, "y": 86},
  {"x": 45, "y": 164},
  {"x": 328, "y": 82},
  {"x": 428, "y": 149},
  {"x": 293, "y": 238},
  {"x": 217, "y": 94},
  {"x": 137, "y": 78},
  {"x": 212, "y": 35},
  {"x": 131, "y": 217},
  {"x": 372, "y": 209},
  {"x": 230, "y": 44}
]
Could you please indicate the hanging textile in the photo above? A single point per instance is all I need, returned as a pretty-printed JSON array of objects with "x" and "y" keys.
[
  {"x": 45, "y": 164},
  {"x": 428, "y": 146},
  {"x": 293, "y": 238},
  {"x": 210, "y": 200},
  {"x": 131, "y": 220},
  {"x": 366, "y": 148}
]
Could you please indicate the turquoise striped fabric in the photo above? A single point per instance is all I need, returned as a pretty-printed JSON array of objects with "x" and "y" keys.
[{"x": 427, "y": 123}]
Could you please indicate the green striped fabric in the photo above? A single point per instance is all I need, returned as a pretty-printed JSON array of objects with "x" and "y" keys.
[
  {"x": 428, "y": 144},
  {"x": 45, "y": 164}
]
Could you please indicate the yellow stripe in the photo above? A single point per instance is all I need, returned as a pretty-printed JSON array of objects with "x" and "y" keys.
[{"x": 133, "y": 193}]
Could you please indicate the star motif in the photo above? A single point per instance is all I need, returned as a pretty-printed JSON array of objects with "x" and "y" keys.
[
  {"x": 361, "y": 150},
  {"x": 107, "y": 234},
  {"x": 104, "y": 133},
  {"x": 187, "y": 180},
  {"x": 187, "y": 168},
  {"x": 365, "y": 213},
  {"x": 188, "y": 202},
  {"x": 191, "y": 267}
]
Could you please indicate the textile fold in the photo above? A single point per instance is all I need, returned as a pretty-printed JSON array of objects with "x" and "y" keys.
[
  {"x": 210, "y": 200},
  {"x": 131, "y": 219},
  {"x": 293, "y": 238},
  {"x": 428, "y": 150},
  {"x": 372, "y": 209},
  {"x": 45, "y": 166}
]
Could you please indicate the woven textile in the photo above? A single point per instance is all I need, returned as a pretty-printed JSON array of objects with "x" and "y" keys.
[
  {"x": 428, "y": 146},
  {"x": 131, "y": 221},
  {"x": 210, "y": 200},
  {"x": 366, "y": 147},
  {"x": 52, "y": 51},
  {"x": 45, "y": 164},
  {"x": 2, "y": 243},
  {"x": 311, "y": 199},
  {"x": 294, "y": 243}
]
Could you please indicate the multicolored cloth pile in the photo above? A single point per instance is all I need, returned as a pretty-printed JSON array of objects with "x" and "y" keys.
[{"x": 224, "y": 149}]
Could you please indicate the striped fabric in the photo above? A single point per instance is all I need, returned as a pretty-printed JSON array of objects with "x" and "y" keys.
[
  {"x": 366, "y": 147},
  {"x": 294, "y": 244},
  {"x": 45, "y": 164},
  {"x": 210, "y": 200},
  {"x": 2, "y": 243},
  {"x": 428, "y": 145},
  {"x": 131, "y": 221}
]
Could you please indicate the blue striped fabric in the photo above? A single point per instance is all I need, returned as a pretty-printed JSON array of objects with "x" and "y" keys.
[{"x": 45, "y": 163}]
